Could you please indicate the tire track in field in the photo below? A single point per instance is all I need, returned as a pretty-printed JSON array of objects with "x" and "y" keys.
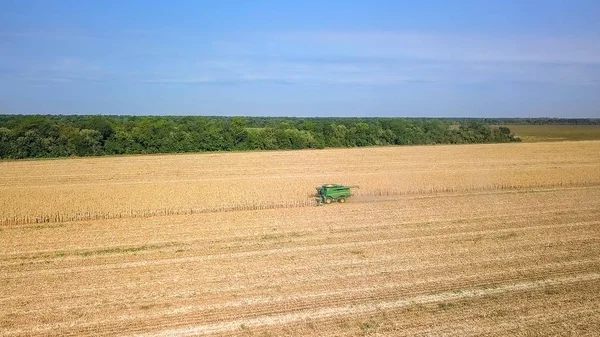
[
  {"x": 353, "y": 294},
  {"x": 454, "y": 326},
  {"x": 367, "y": 292},
  {"x": 540, "y": 320},
  {"x": 456, "y": 222},
  {"x": 279, "y": 251},
  {"x": 295, "y": 237},
  {"x": 48, "y": 270},
  {"x": 344, "y": 298},
  {"x": 362, "y": 309},
  {"x": 532, "y": 312},
  {"x": 194, "y": 320},
  {"x": 343, "y": 269},
  {"x": 213, "y": 280}
]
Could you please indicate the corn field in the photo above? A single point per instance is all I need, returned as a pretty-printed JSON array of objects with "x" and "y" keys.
[
  {"x": 128, "y": 187},
  {"x": 490, "y": 240}
]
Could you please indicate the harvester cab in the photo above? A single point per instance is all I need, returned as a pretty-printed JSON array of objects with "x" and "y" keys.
[{"x": 329, "y": 193}]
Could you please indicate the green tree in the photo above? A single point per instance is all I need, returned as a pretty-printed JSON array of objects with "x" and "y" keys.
[
  {"x": 238, "y": 131},
  {"x": 339, "y": 136},
  {"x": 6, "y": 143},
  {"x": 87, "y": 142},
  {"x": 55, "y": 136},
  {"x": 122, "y": 142}
]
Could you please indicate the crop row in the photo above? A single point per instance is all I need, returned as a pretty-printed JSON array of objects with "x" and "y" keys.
[{"x": 58, "y": 217}]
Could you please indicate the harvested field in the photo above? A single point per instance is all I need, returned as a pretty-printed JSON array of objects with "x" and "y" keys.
[{"x": 443, "y": 240}]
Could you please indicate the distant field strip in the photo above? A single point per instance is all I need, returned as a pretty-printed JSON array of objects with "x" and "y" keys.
[{"x": 556, "y": 133}]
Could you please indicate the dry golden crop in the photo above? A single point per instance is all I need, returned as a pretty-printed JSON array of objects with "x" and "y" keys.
[
  {"x": 441, "y": 240},
  {"x": 99, "y": 188}
]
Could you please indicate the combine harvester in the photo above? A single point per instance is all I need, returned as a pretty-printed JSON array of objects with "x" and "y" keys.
[{"x": 333, "y": 192}]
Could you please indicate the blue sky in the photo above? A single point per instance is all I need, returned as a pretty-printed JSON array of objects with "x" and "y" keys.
[{"x": 301, "y": 58}]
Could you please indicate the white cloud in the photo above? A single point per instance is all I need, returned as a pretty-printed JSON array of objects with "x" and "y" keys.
[
  {"x": 286, "y": 72},
  {"x": 467, "y": 48},
  {"x": 387, "y": 58},
  {"x": 372, "y": 58},
  {"x": 65, "y": 70},
  {"x": 378, "y": 72}
]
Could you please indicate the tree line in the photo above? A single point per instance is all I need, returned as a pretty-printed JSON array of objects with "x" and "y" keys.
[{"x": 42, "y": 136}]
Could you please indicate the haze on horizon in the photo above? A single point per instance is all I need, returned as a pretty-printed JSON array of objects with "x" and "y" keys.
[{"x": 301, "y": 58}]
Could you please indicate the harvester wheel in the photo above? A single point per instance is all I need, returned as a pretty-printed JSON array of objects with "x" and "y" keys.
[
  {"x": 328, "y": 201},
  {"x": 342, "y": 200}
]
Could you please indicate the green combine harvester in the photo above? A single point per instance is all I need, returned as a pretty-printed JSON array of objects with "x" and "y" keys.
[{"x": 333, "y": 192}]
